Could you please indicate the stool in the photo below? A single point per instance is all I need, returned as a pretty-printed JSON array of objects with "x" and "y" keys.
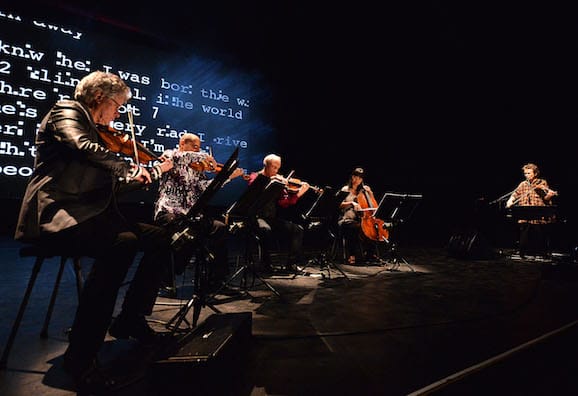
[{"x": 41, "y": 254}]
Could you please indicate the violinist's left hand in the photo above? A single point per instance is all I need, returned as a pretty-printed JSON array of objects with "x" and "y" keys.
[
  {"x": 166, "y": 165},
  {"x": 211, "y": 163},
  {"x": 303, "y": 189},
  {"x": 550, "y": 193},
  {"x": 237, "y": 172}
]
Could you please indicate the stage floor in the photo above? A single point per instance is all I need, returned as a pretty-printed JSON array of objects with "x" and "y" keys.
[{"x": 432, "y": 324}]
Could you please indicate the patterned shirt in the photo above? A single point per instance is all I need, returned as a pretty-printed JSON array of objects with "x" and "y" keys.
[
  {"x": 532, "y": 194},
  {"x": 182, "y": 186}
]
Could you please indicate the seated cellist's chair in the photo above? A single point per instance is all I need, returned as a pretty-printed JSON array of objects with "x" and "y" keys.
[{"x": 41, "y": 254}]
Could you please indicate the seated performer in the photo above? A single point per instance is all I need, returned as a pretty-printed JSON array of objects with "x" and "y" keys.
[
  {"x": 70, "y": 201},
  {"x": 270, "y": 226},
  {"x": 533, "y": 191},
  {"x": 179, "y": 190},
  {"x": 349, "y": 222}
]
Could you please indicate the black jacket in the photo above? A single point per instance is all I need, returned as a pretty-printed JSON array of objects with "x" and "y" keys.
[{"x": 75, "y": 177}]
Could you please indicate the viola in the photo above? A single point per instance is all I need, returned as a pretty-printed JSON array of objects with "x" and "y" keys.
[
  {"x": 372, "y": 227},
  {"x": 119, "y": 142}
]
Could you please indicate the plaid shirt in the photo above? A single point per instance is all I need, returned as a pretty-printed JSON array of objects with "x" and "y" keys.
[{"x": 532, "y": 194}]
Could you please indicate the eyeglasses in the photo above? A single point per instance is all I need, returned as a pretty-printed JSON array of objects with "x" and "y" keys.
[{"x": 115, "y": 102}]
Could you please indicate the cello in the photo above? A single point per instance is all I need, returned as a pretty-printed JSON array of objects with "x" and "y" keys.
[{"x": 372, "y": 227}]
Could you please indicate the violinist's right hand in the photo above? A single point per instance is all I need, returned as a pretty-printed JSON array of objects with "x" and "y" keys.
[
  {"x": 142, "y": 175},
  {"x": 279, "y": 178}
]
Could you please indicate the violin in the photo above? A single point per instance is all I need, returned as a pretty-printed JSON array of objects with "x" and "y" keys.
[
  {"x": 542, "y": 185},
  {"x": 207, "y": 166},
  {"x": 119, "y": 142},
  {"x": 372, "y": 227},
  {"x": 293, "y": 185}
]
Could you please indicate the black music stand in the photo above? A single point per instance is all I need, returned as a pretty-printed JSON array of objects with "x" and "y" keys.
[
  {"x": 395, "y": 209},
  {"x": 260, "y": 192},
  {"x": 547, "y": 214},
  {"x": 523, "y": 212},
  {"x": 324, "y": 211},
  {"x": 194, "y": 229}
]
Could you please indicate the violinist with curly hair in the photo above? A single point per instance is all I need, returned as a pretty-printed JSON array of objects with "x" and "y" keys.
[{"x": 71, "y": 201}]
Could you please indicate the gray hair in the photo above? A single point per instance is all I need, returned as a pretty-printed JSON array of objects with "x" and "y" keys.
[
  {"x": 98, "y": 84},
  {"x": 270, "y": 158}
]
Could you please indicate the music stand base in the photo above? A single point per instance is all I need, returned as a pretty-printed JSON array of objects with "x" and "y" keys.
[
  {"x": 243, "y": 286},
  {"x": 196, "y": 303},
  {"x": 323, "y": 263},
  {"x": 396, "y": 261}
]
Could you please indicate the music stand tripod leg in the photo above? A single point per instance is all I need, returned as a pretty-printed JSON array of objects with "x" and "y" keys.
[
  {"x": 331, "y": 265},
  {"x": 397, "y": 260},
  {"x": 199, "y": 298},
  {"x": 323, "y": 259},
  {"x": 242, "y": 270},
  {"x": 248, "y": 268},
  {"x": 324, "y": 262}
]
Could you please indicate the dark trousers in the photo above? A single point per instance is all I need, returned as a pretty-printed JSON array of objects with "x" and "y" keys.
[
  {"x": 350, "y": 232},
  {"x": 114, "y": 244},
  {"x": 534, "y": 239},
  {"x": 357, "y": 244},
  {"x": 209, "y": 237},
  {"x": 287, "y": 232}
]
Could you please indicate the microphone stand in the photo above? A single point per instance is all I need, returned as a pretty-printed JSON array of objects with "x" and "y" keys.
[{"x": 503, "y": 197}]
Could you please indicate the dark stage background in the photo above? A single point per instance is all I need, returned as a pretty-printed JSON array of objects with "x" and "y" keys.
[{"x": 443, "y": 99}]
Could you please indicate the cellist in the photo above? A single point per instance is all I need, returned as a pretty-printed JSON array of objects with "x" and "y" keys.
[{"x": 349, "y": 222}]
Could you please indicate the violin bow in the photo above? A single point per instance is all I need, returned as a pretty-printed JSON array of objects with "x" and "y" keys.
[{"x": 131, "y": 124}]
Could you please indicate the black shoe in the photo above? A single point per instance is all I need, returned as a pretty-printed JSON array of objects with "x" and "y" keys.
[
  {"x": 293, "y": 269},
  {"x": 167, "y": 291},
  {"x": 133, "y": 327},
  {"x": 89, "y": 378}
]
